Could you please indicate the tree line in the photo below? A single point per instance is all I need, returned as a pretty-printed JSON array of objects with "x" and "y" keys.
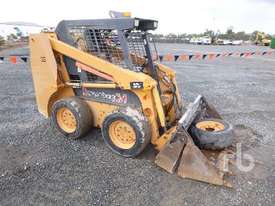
[{"x": 229, "y": 35}]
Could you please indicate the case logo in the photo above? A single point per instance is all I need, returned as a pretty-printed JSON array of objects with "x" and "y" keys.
[{"x": 117, "y": 97}]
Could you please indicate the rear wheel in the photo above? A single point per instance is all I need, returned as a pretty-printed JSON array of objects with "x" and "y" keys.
[
  {"x": 71, "y": 117},
  {"x": 66, "y": 120},
  {"x": 126, "y": 132}
]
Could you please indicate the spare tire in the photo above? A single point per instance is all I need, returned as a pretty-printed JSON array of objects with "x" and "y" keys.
[{"x": 213, "y": 134}]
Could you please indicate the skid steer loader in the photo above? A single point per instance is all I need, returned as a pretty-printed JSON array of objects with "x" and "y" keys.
[{"x": 104, "y": 73}]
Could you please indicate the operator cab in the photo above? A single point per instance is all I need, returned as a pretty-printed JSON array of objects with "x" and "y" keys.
[{"x": 123, "y": 41}]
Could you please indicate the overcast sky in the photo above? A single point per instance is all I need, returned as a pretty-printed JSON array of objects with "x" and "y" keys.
[{"x": 178, "y": 16}]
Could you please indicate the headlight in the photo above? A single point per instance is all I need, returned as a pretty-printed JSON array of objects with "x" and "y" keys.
[
  {"x": 155, "y": 24},
  {"x": 136, "y": 22}
]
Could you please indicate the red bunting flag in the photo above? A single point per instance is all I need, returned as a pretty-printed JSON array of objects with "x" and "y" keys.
[
  {"x": 224, "y": 54},
  {"x": 211, "y": 56},
  {"x": 13, "y": 59},
  {"x": 247, "y": 54},
  {"x": 198, "y": 56},
  {"x": 168, "y": 57},
  {"x": 258, "y": 53},
  {"x": 183, "y": 57}
]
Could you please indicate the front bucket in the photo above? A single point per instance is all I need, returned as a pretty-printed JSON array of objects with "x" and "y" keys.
[
  {"x": 195, "y": 165},
  {"x": 180, "y": 155},
  {"x": 168, "y": 158}
]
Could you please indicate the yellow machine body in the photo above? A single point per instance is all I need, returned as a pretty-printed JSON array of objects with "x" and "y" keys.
[{"x": 52, "y": 83}]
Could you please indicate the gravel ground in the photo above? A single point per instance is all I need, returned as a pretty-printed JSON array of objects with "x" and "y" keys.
[{"x": 39, "y": 167}]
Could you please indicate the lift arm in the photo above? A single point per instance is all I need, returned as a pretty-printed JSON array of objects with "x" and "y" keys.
[{"x": 122, "y": 77}]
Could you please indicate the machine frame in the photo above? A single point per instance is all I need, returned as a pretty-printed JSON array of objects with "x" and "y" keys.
[{"x": 56, "y": 59}]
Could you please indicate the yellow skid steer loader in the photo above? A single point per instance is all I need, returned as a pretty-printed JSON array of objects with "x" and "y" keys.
[{"x": 105, "y": 73}]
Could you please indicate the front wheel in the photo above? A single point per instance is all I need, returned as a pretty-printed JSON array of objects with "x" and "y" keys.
[{"x": 126, "y": 132}]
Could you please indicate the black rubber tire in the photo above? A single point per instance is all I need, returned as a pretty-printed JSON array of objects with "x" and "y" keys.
[
  {"x": 139, "y": 123},
  {"x": 212, "y": 140},
  {"x": 81, "y": 112}
]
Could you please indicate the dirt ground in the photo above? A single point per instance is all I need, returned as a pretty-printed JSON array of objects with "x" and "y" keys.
[{"x": 39, "y": 167}]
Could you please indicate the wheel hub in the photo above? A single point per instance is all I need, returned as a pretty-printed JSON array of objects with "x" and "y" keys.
[
  {"x": 210, "y": 126},
  {"x": 122, "y": 134},
  {"x": 66, "y": 120}
]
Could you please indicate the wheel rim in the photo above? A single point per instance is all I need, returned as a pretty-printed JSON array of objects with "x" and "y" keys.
[
  {"x": 210, "y": 126},
  {"x": 66, "y": 120},
  {"x": 122, "y": 134}
]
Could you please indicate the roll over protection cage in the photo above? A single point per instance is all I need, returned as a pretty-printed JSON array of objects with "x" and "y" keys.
[{"x": 119, "y": 38}]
